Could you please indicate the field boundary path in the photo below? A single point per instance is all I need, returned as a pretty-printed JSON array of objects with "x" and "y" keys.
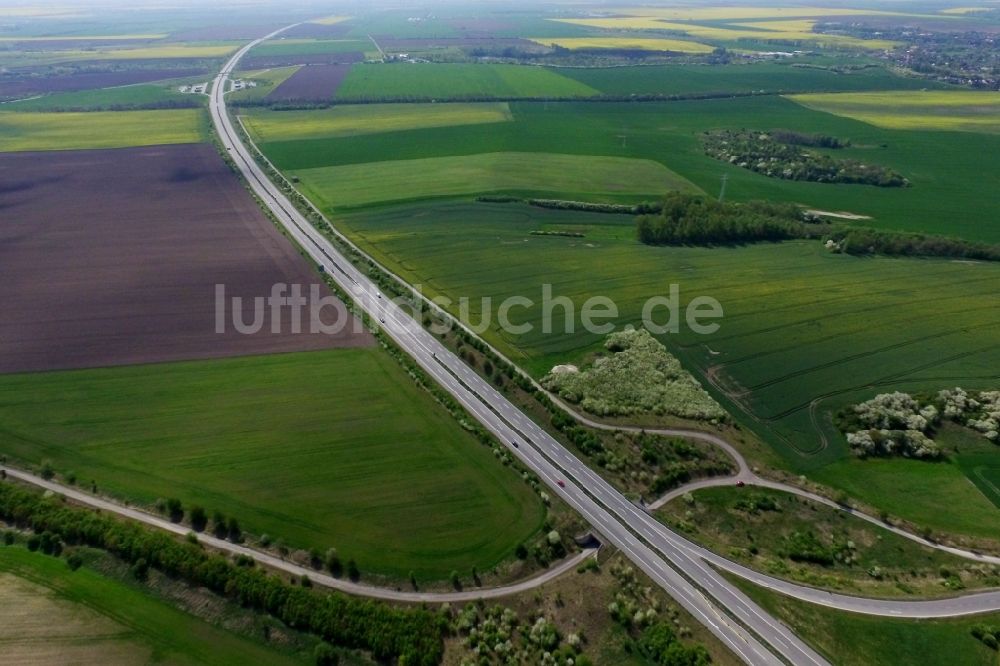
[
  {"x": 281, "y": 564},
  {"x": 381, "y": 53}
]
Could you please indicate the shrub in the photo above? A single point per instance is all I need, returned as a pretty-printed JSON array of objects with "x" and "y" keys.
[
  {"x": 806, "y": 547},
  {"x": 175, "y": 510},
  {"x": 333, "y": 563},
  {"x": 639, "y": 376},
  {"x": 74, "y": 561},
  {"x": 199, "y": 519},
  {"x": 660, "y": 645},
  {"x": 233, "y": 531},
  {"x": 140, "y": 569},
  {"x": 219, "y": 525},
  {"x": 325, "y": 655}
]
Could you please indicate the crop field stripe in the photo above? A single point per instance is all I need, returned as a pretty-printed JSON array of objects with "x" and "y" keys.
[
  {"x": 363, "y": 184},
  {"x": 834, "y": 315},
  {"x": 640, "y": 43},
  {"x": 100, "y": 129},
  {"x": 456, "y": 81},
  {"x": 785, "y": 30},
  {"x": 809, "y": 299},
  {"x": 267, "y": 126},
  {"x": 870, "y": 352},
  {"x": 945, "y": 110},
  {"x": 833, "y": 337},
  {"x": 149, "y": 53}
]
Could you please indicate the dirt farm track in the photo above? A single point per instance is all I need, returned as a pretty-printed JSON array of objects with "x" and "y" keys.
[{"x": 111, "y": 257}]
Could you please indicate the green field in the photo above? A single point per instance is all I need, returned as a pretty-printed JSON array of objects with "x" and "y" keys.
[
  {"x": 949, "y": 192},
  {"x": 976, "y": 457},
  {"x": 428, "y": 81},
  {"x": 100, "y": 129},
  {"x": 805, "y": 332},
  {"x": 50, "y": 614},
  {"x": 848, "y": 639},
  {"x": 329, "y": 449},
  {"x": 925, "y": 493},
  {"x": 565, "y": 176},
  {"x": 957, "y": 110},
  {"x": 266, "y": 125}
]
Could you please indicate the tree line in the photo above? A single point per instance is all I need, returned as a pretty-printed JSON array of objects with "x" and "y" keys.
[
  {"x": 688, "y": 219},
  {"x": 411, "y": 636},
  {"x": 863, "y": 241}
]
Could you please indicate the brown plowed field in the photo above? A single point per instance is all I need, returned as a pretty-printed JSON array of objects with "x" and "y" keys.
[
  {"x": 312, "y": 82},
  {"x": 111, "y": 257}
]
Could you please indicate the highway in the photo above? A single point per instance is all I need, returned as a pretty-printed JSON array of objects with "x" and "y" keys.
[
  {"x": 702, "y": 591},
  {"x": 682, "y": 568}
]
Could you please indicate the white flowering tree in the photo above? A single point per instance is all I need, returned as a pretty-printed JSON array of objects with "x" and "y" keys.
[{"x": 898, "y": 424}]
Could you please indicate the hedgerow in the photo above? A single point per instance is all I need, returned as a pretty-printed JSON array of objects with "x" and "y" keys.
[{"x": 413, "y": 637}]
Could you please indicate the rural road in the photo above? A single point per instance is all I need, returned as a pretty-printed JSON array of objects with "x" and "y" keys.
[{"x": 280, "y": 564}]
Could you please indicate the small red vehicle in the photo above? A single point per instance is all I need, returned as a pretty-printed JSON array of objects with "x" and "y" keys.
[
  {"x": 740, "y": 484},
  {"x": 562, "y": 484}
]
